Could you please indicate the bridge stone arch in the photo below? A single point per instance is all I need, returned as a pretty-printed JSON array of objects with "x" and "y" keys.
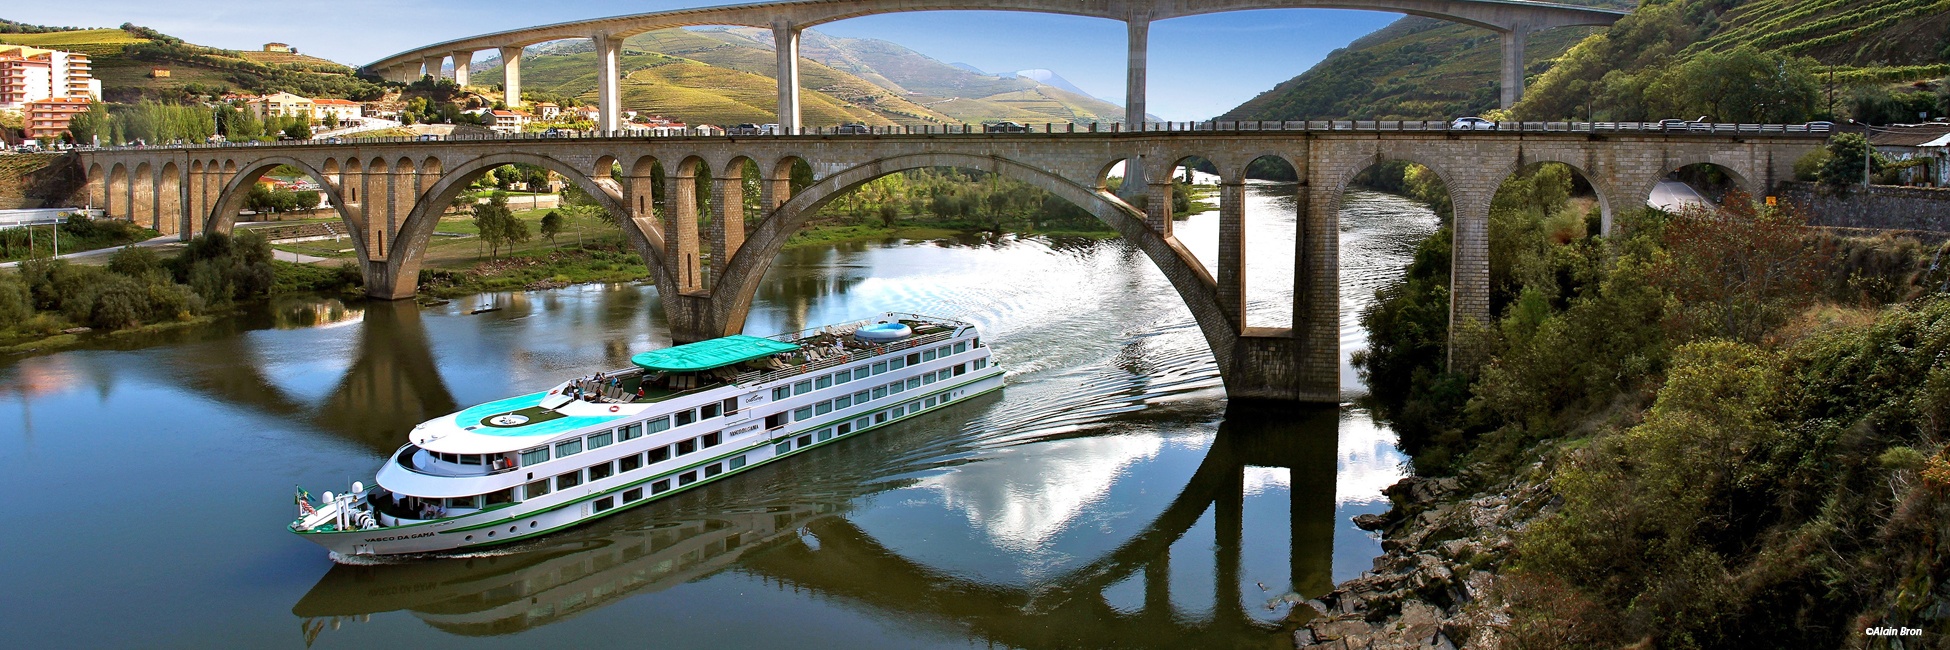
[
  {"x": 397, "y": 275},
  {"x": 723, "y": 311},
  {"x": 1604, "y": 187},
  {"x": 229, "y": 201},
  {"x": 97, "y": 187}
]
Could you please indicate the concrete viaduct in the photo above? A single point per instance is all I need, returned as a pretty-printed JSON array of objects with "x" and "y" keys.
[
  {"x": 1513, "y": 20},
  {"x": 392, "y": 195}
]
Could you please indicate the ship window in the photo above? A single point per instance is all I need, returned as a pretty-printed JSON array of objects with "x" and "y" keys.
[
  {"x": 632, "y": 494},
  {"x": 600, "y": 472},
  {"x": 913, "y": 358},
  {"x": 804, "y": 441},
  {"x": 710, "y": 411},
  {"x": 842, "y": 376},
  {"x": 629, "y": 463},
  {"x": 846, "y": 428},
  {"x": 660, "y": 486},
  {"x": 914, "y": 406},
  {"x": 960, "y": 369},
  {"x": 498, "y": 497},
  {"x": 687, "y": 478},
  {"x": 927, "y": 355},
  {"x": 730, "y": 405},
  {"x": 961, "y": 347},
  {"x": 981, "y": 363},
  {"x": 686, "y": 446},
  {"x": 802, "y": 388},
  {"x": 823, "y": 408},
  {"x": 825, "y": 381},
  {"x": 913, "y": 383},
  {"x": 630, "y": 432},
  {"x": 605, "y": 503},
  {"x": 860, "y": 424},
  {"x": 601, "y": 440},
  {"x": 896, "y": 364},
  {"x": 470, "y": 459},
  {"x": 781, "y": 392},
  {"x": 932, "y": 402},
  {"x": 860, "y": 397},
  {"x": 568, "y": 480},
  {"x": 975, "y": 342},
  {"x": 713, "y": 469},
  {"x": 879, "y": 392},
  {"x": 782, "y": 448},
  {"x": 825, "y": 434},
  {"x": 568, "y": 448},
  {"x": 660, "y": 454},
  {"x": 896, "y": 387},
  {"x": 775, "y": 420},
  {"x": 659, "y": 424},
  {"x": 686, "y": 416},
  {"x": 735, "y": 462},
  {"x": 802, "y": 413},
  {"x": 461, "y": 502},
  {"x": 712, "y": 439},
  {"x": 843, "y": 401},
  {"x": 927, "y": 378},
  {"x": 879, "y": 418},
  {"x": 880, "y": 367},
  {"x": 535, "y": 489},
  {"x": 533, "y": 456}
]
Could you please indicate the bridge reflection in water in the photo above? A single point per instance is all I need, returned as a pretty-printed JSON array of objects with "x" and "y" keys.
[{"x": 789, "y": 525}]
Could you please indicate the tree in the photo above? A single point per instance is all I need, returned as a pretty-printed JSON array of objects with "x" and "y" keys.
[
  {"x": 1847, "y": 152},
  {"x": 1736, "y": 272},
  {"x": 308, "y": 200},
  {"x": 551, "y": 225},
  {"x": 497, "y": 224}
]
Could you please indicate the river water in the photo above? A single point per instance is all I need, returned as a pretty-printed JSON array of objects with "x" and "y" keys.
[{"x": 1109, "y": 496}]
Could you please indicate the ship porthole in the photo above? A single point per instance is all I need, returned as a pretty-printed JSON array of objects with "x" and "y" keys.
[
  {"x": 490, "y": 533},
  {"x": 531, "y": 524},
  {"x": 512, "y": 529},
  {"x": 470, "y": 538}
]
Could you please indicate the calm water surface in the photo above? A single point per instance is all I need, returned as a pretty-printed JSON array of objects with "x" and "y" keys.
[{"x": 1109, "y": 496}]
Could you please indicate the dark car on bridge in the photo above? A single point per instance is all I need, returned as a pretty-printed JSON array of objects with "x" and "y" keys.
[
  {"x": 1005, "y": 127},
  {"x": 855, "y": 128},
  {"x": 747, "y": 128}
]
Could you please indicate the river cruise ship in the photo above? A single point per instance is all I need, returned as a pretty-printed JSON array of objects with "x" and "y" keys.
[{"x": 678, "y": 418}]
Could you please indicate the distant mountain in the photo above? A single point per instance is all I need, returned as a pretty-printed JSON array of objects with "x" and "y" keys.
[
  {"x": 968, "y": 67},
  {"x": 1045, "y": 77}
]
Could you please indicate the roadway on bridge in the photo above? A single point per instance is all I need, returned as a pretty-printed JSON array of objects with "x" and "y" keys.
[{"x": 1673, "y": 196}]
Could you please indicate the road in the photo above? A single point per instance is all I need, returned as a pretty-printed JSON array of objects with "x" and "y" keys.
[
  {"x": 86, "y": 257},
  {"x": 1673, "y": 196}
]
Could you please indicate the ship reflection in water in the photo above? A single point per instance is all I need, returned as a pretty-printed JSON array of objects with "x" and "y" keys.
[{"x": 792, "y": 527}]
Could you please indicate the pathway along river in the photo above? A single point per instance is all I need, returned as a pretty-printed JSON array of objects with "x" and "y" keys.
[{"x": 1107, "y": 497}]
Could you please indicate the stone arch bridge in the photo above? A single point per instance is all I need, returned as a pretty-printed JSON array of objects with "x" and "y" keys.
[{"x": 391, "y": 194}]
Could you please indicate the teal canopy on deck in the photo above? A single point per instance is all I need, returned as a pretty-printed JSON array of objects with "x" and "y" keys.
[{"x": 705, "y": 355}]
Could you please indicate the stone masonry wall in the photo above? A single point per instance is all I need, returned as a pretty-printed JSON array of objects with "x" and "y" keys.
[{"x": 1880, "y": 208}]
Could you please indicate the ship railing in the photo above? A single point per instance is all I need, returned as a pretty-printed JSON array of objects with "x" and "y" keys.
[
  {"x": 849, "y": 327},
  {"x": 405, "y": 459},
  {"x": 756, "y": 377}
]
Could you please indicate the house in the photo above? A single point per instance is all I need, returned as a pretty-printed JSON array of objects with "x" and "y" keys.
[
  {"x": 1929, "y": 142},
  {"x": 159, "y": 73},
  {"x": 49, "y": 118},
  {"x": 277, "y": 47},
  {"x": 506, "y": 121},
  {"x": 280, "y": 104},
  {"x": 29, "y": 74},
  {"x": 341, "y": 109},
  {"x": 548, "y": 111},
  {"x": 586, "y": 113}
]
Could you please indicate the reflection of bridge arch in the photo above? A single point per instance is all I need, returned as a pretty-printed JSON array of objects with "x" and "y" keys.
[{"x": 589, "y": 569}]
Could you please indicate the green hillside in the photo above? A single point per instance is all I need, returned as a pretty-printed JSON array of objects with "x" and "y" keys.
[
  {"x": 724, "y": 76},
  {"x": 123, "y": 58},
  {"x": 1421, "y": 68}
]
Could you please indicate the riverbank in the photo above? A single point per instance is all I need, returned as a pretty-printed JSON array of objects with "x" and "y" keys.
[{"x": 1674, "y": 436}]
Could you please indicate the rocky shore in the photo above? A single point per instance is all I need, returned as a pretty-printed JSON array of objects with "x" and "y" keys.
[{"x": 1435, "y": 584}]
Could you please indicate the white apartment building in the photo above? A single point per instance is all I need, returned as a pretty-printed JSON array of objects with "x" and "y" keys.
[{"x": 29, "y": 74}]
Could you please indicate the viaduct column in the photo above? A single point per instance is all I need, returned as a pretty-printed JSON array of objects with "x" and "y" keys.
[
  {"x": 511, "y": 67},
  {"x": 1232, "y": 250},
  {"x": 1513, "y": 41},
  {"x": 1140, "y": 43},
  {"x": 430, "y": 67},
  {"x": 461, "y": 61},
  {"x": 727, "y": 218},
  {"x": 609, "y": 103},
  {"x": 785, "y": 45}
]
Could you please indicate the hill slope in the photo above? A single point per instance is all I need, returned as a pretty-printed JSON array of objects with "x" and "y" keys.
[
  {"x": 1420, "y": 68},
  {"x": 123, "y": 58}
]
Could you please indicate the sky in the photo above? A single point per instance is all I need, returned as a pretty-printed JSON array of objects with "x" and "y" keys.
[{"x": 1200, "y": 66}]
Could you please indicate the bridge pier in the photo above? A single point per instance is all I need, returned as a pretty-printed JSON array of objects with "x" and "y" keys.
[
  {"x": 785, "y": 45},
  {"x": 461, "y": 61},
  {"x": 1513, "y": 42},
  {"x": 511, "y": 76},
  {"x": 609, "y": 53}
]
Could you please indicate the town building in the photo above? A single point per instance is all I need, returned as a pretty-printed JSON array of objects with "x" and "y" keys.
[
  {"x": 506, "y": 121},
  {"x": 29, "y": 74},
  {"x": 279, "y": 104},
  {"x": 49, "y": 118},
  {"x": 277, "y": 47},
  {"x": 1928, "y": 142},
  {"x": 548, "y": 111},
  {"x": 342, "y": 109}
]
